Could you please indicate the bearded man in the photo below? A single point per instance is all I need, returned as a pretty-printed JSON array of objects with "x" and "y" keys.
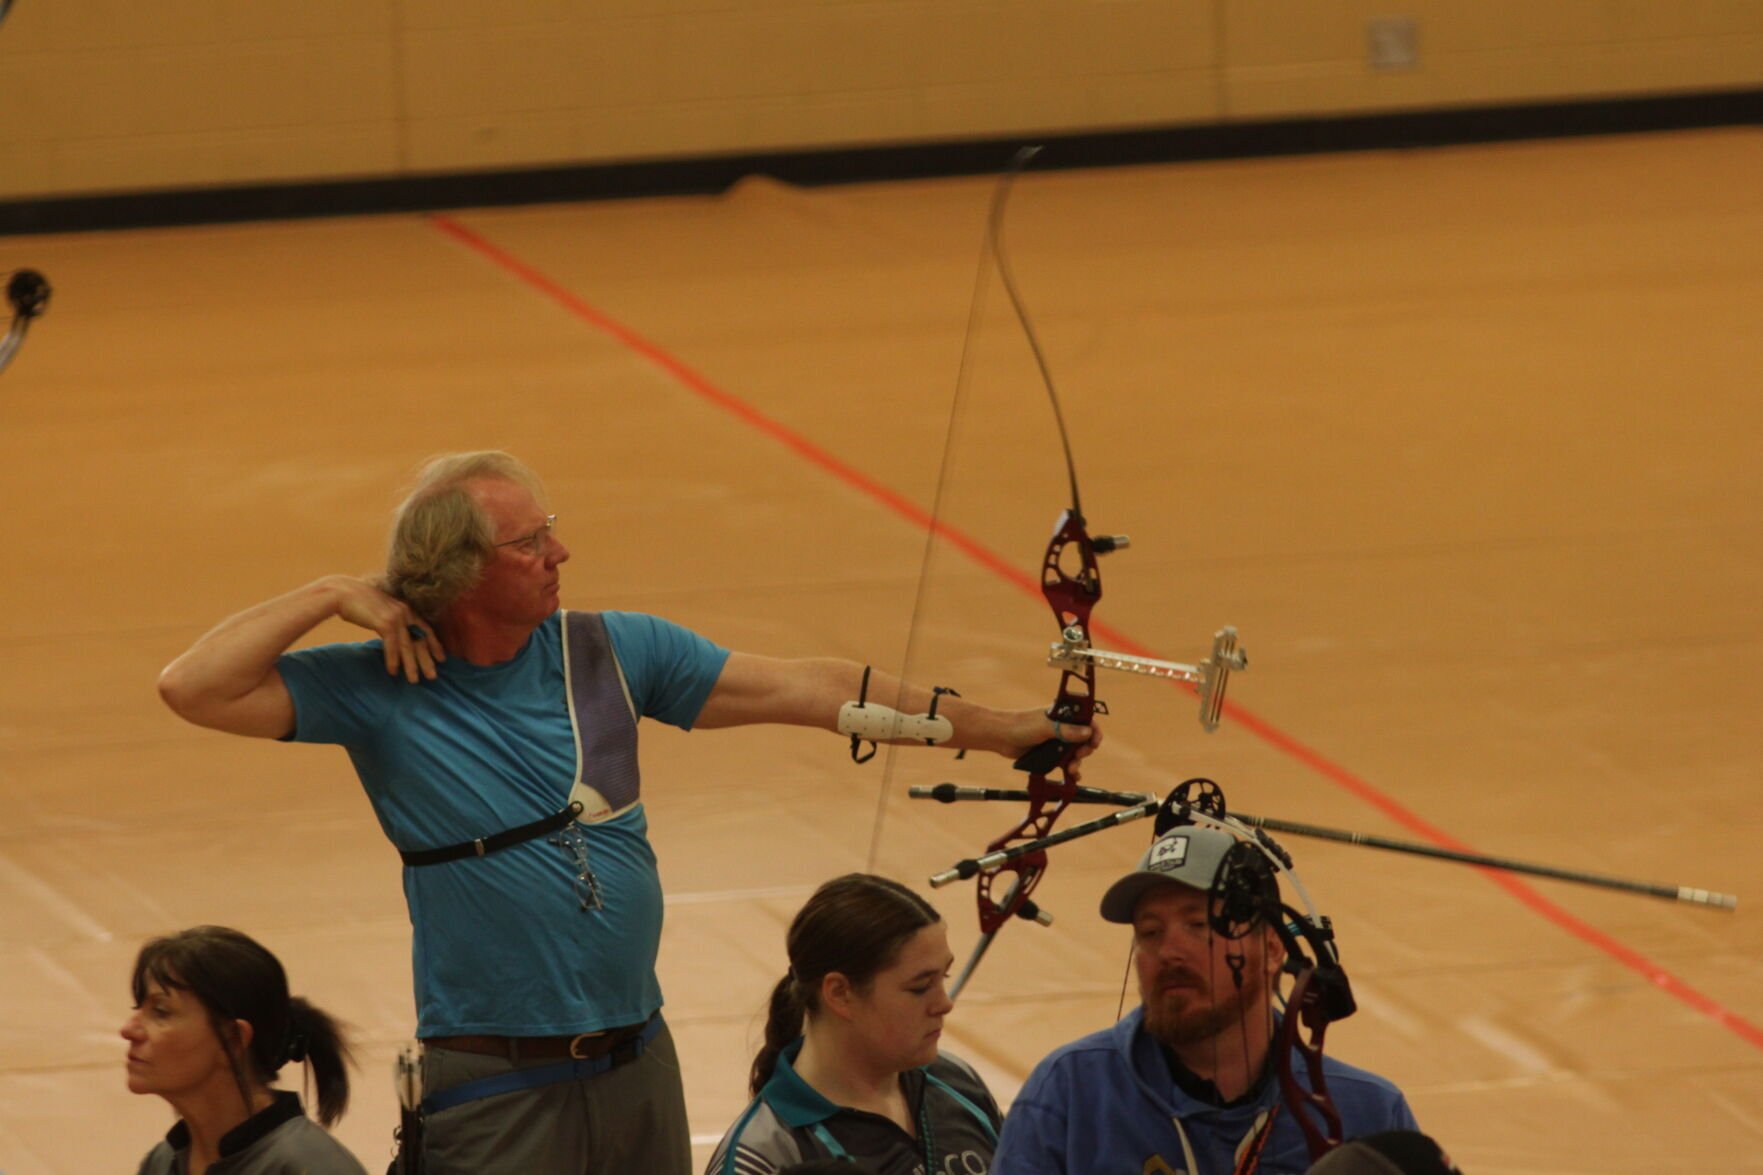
[{"x": 1185, "y": 1085}]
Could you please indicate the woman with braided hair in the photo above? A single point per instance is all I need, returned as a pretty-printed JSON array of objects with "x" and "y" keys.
[
  {"x": 850, "y": 1068},
  {"x": 212, "y": 1025}
]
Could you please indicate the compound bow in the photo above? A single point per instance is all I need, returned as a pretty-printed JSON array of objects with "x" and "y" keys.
[{"x": 1244, "y": 897}]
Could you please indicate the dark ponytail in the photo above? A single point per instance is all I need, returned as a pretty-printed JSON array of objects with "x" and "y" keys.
[
  {"x": 316, "y": 1038},
  {"x": 855, "y": 926},
  {"x": 237, "y": 978}
]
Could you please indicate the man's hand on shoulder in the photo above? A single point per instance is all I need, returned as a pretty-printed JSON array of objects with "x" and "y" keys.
[{"x": 411, "y": 646}]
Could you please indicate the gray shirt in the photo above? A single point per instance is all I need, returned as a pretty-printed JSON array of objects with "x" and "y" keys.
[{"x": 278, "y": 1140}]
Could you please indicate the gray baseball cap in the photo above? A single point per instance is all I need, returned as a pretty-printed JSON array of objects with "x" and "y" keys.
[{"x": 1188, "y": 855}]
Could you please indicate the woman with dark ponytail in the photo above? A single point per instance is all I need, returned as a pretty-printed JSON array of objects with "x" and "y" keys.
[
  {"x": 213, "y": 1024},
  {"x": 850, "y": 1068}
]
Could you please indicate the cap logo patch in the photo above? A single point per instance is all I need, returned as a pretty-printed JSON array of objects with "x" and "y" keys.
[{"x": 1168, "y": 854}]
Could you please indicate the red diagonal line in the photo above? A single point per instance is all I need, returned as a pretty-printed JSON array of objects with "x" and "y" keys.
[{"x": 998, "y": 565}]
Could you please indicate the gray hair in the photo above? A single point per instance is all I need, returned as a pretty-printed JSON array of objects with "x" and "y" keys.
[{"x": 441, "y": 537}]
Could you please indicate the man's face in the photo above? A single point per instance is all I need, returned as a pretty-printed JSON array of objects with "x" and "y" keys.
[
  {"x": 1186, "y": 984},
  {"x": 520, "y": 583}
]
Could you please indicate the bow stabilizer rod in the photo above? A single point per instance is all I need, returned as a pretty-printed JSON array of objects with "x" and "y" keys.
[
  {"x": 1137, "y": 805},
  {"x": 1671, "y": 893},
  {"x": 973, "y": 866},
  {"x": 950, "y": 793}
]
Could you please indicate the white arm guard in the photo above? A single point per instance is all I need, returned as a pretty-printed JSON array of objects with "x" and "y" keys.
[{"x": 880, "y": 724}]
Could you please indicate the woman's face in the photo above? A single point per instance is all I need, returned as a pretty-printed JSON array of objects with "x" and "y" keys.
[
  {"x": 899, "y": 1018},
  {"x": 172, "y": 1045}
]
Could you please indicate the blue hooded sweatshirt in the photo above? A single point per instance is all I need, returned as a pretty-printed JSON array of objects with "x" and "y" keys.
[{"x": 1108, "y": 1105}]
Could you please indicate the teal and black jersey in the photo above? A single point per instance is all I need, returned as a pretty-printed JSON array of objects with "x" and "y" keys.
[{"x": 790, "y": 1123}]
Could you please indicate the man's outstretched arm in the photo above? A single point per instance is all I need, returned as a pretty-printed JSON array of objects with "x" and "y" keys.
[{"x": 809, "y": 692}]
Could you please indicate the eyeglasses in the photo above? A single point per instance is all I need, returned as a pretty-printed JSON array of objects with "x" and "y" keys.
[{"x": 535, "y": 542}]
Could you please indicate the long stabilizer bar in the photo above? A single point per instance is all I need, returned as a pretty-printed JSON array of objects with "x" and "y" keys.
[
  {"x": 1138, "y": 805},
  {"x": 1671, "y": 893}
]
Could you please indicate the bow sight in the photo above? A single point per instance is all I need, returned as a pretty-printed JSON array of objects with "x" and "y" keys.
[{"x": 1211, "y": 676}]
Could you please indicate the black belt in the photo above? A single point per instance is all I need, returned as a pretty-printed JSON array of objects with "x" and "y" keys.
[
  {"x": 485, "y": 845},
  {"x": 629, "y": 1048},
  {"x": 583, "y": 1046}
]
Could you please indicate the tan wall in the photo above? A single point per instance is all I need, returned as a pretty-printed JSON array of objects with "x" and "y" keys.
[{"x": 119, "y": 95}]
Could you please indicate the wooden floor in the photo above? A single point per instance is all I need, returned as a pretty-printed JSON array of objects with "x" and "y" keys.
[{"x": 1466, "y": 442}]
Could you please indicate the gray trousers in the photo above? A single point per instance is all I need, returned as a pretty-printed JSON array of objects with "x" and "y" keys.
[{"x": 632, "y": 1118}]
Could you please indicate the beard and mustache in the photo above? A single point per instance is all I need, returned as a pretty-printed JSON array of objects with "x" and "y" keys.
[{"x": 1184, "y": 1008}]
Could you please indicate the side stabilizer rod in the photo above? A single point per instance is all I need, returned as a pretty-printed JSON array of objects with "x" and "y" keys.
[
  {"x": 949, "y": 793},
  {"x": 974, "y": 866}
]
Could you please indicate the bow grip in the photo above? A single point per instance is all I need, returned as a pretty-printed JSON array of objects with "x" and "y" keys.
[{"x": 1042, "y": 757}]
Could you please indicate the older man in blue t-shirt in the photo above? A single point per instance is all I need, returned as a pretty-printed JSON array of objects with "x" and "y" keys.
[{"x": 495, "y": 735}]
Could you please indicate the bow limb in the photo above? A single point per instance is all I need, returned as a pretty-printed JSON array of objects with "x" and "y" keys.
[{"x": 1301, "y": 1034}]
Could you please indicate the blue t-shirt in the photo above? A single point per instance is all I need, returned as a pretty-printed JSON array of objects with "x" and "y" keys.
[{"x": 500, "y": 944}]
